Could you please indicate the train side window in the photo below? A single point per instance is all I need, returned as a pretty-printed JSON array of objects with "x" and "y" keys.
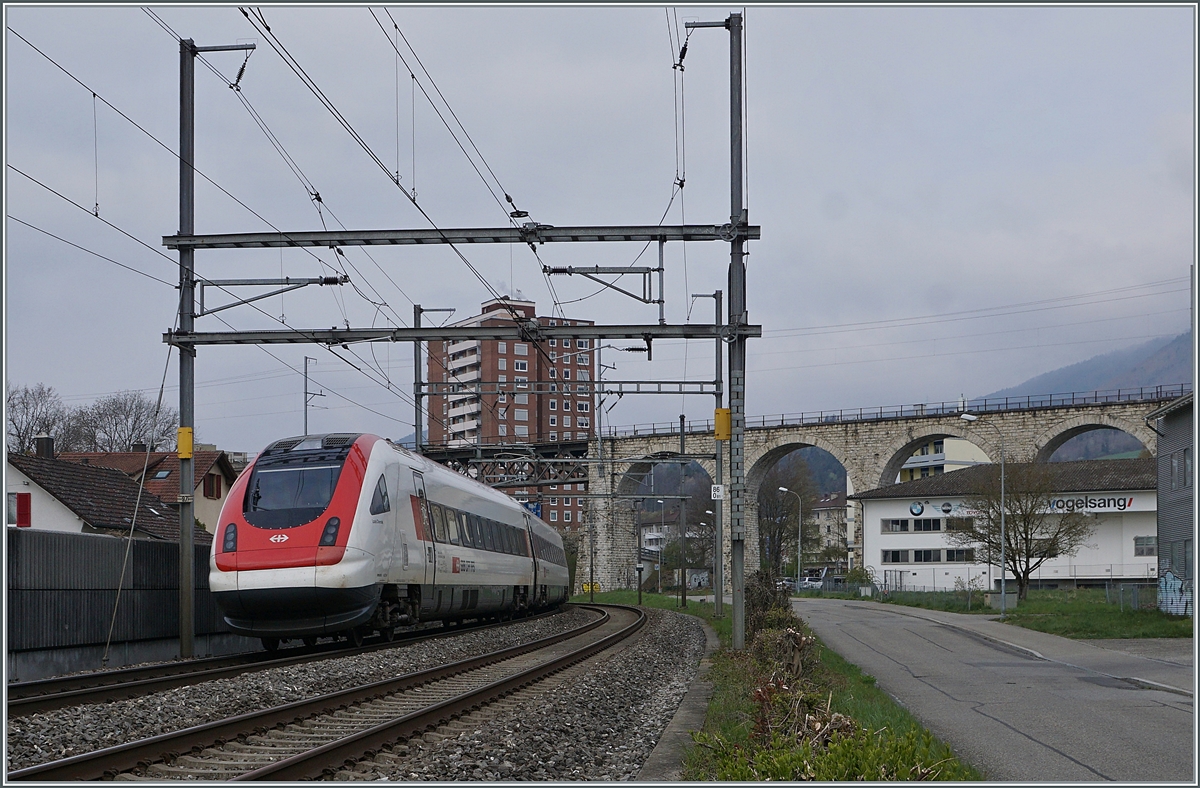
[
  {"x": 489, "y": 535},
  {"x": 439, "y": 523},
  {"x": 464, "y": 528},
  {"x": 505, "y": 539},
  {"x": 380, "y": 502},
  {"x": 452, "y": 525},
  {"x": 476, "y": 531}
]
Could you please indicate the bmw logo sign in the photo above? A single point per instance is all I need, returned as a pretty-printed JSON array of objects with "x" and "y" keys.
[{"x": 916, "y": 507}]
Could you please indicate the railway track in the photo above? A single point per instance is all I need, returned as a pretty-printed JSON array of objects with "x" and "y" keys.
[
  {"x": 29, "y": 697},
  {"x": 313, "y": 737}
]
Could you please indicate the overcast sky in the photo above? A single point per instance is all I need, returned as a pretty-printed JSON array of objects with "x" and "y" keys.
[{"x": 1034, "y": 165}]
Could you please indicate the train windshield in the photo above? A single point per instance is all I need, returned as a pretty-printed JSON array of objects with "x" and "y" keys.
[{"x": 289, "y": 495}]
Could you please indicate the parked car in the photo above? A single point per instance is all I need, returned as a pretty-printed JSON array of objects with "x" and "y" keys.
[
  {"x": 810, "y": 583},
  {"x": 785, "y": 584}
]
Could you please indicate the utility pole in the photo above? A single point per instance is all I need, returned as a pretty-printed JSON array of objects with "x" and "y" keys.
[
  {"x": 682, "y": 518},
  {"x": 187, "y": 351}
]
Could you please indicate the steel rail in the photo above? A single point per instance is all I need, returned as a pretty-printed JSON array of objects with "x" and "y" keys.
[
  {"x": 30, "y": 697},
  {"x": 315, "y": 763},
  {"x": 109, "y": 761}
]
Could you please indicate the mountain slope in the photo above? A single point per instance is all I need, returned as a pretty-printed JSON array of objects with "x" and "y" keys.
[{"x": 1157, "y": 362}]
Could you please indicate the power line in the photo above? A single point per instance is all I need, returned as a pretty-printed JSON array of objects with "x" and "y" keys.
[{"x": 89, "y": 251}]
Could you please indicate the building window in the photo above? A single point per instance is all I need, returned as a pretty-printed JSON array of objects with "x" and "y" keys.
[
  {"x": 553, "y": 374},
  {"x": 1187, "y": 467},
  {"x": 521, "y": 349},
  {"x": 521, "y": 414},
  {"x": 895, "y": 556},
  {"x": 566, "y": 342},
  {"x": 554, "y": 501},
  {"x": 566, "y": 421},
  {"x": 161, "y": 474},
  {"x": 553, "y": 515},
  {"x": 566, "y": 404},
  {"x": 582, "y": 358},
  {"x": 582, "y": 374},
  {"x": 521, "y": 366},
  {"x": 582, "y": 421},
  {"x": 503, "y": 430},
  {"x": 1145, "y": 545},
  {"x": 927, "y": 556},
  {"x": 502, "y": 379},
  {"x": 522, "y": 382},
  {"x": 1175, "y": 471},
  {"x": 583, "y": 407},
  {"x": 553, "y": 342},
  {"x": 553, "y": 404},
  {"x": 522, "y": 431},
  {"x": 566, "y": 374},
  {"x": 521, "y": 399},
  {"x": 19, "y": 509},
  {"x": 501, "y": 347},
  {"x": 553, "y": 355},
  {"x": 566, "y": 517},
  {"x": 960, "y": 523},
  {"x": 893, "y": 526},
  {"x": 554, "y": 436},
  {"x": 554, "y": 421},
  {"x": 582, "y": 343},
  {"x": 502, "y": 413},
  {"x": 212, "y": 485},
  {"x": 501, "y": 363},
  {"x": 961, "y": 556},
  {"x": 927, "y": 525},
  {"x": 553, "y": 386}
]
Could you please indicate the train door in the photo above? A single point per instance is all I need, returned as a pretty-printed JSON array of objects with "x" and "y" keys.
[
  {"x": 528, "y": 536},
  {"x": 426, "y": 531},
  {"x": 390, "y": 537}
]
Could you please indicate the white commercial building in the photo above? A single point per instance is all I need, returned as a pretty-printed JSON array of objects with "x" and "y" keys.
[{"x": 905, "y": 525}]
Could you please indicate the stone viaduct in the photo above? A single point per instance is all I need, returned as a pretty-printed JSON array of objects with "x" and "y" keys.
[{"x": 871, "y": 445}]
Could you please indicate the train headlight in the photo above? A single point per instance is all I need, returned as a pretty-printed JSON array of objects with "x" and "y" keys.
[
  {"x": 329, "y": 535},
  {"x": 229, "y": 543}
]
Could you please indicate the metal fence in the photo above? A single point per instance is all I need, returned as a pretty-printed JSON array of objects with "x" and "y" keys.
[
  {"x": 932, "y": 409},
  {"x": 62, "y": 588}
]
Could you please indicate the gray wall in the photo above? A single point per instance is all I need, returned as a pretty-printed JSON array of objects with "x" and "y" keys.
[
  {"x": 62, "y": 586},
  {"x": 1176, "y": 488}
]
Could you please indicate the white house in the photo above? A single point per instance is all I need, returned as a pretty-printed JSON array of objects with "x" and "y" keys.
[{"x": 905, "y": 525}]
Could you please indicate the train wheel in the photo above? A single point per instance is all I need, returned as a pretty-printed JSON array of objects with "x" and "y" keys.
[
  {"x": 271, "y": 644},
  {"x": 355, "y": 636},
  {"x": 310, "y": 641},
  {"x": 389, "y": 633}
]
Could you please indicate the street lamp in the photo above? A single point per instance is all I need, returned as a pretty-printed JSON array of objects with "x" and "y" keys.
[
  {"x": 970, "y": 418},
  {"x": 662, "y": 536},
  {"x": 799, "y": 534}
]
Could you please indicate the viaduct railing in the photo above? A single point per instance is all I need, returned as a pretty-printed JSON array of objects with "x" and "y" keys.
[{"x": 892, "y": 412}]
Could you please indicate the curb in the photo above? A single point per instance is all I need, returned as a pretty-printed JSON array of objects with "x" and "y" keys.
[
  {"x": 665, "y": 763},
  {"x": 1144, "y": 683}
]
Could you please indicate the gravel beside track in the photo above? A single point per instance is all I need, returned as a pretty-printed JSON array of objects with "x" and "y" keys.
[
  {"x": 600, "y": 723},
  {"x": 52, "y": 735}
]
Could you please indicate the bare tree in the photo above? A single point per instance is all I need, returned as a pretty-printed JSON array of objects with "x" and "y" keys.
[
  {"x": 120, "y": 420},
  {"x": 31, "y": 412},
  {"x": 1033, "y": 531},
  {"x": 777, "y": 530}
]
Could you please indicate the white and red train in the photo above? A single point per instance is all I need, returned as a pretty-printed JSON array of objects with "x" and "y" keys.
[{"x": 346, "y": 534}]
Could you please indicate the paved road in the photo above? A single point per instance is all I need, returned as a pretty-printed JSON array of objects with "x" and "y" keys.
[{"x": 1066, "y": 715}]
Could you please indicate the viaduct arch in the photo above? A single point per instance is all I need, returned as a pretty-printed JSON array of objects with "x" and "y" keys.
[{"x": 871, "y": 448}]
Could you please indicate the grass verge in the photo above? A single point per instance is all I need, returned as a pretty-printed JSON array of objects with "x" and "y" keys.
[
  {"x": 757, "y": 723},
  {"x": 1079, "y": 613}
]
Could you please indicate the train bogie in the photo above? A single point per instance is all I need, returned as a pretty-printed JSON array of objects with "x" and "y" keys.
[{"x": 337, "y": 534}]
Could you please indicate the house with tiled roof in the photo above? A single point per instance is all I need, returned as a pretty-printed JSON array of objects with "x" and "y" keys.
[
  {"x": 51, "y": 494},
  {"x": 212, "y": 476},
  {"x": 904, "y": 526}
]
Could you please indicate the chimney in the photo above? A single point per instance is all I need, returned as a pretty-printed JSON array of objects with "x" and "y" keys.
[
  {"x": 138, "y": 448},
  {"x": 45, "y": 446}
]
